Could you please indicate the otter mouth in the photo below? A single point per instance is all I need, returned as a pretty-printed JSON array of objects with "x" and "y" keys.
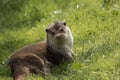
[{"x": 60, "y": 42}]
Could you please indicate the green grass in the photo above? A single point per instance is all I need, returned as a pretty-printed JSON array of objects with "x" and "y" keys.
[{"x": 95, "y": 25}]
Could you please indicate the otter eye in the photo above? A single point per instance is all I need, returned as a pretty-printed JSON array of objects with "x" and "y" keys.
[
  {"x": 52, "y": 33},
  {"x": 46, "y": 30}
]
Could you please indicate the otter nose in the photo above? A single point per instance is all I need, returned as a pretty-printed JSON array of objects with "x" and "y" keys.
[{"x": 60, "y": 37}]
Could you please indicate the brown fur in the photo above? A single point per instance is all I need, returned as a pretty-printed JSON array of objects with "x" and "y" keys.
[{"x": 35, "y": 58}]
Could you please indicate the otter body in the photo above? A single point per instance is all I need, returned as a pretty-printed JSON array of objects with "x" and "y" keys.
[{"x": 36, "y": 58}]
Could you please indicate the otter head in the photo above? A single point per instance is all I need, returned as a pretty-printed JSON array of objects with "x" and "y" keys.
[{"x": 58, "y": 35}]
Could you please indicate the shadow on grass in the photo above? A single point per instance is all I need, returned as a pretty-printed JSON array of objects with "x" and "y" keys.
[
  {"x": 4, "y": 69},
  {"x": 8, "y": 10},
  {"x": 19, "y": 13},
  {"x": 7, "y": 47}
]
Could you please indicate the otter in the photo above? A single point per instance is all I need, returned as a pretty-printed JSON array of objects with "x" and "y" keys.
[{"x": 37, "y": 58}]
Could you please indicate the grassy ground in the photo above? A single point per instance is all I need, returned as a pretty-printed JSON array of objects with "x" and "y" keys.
[{"x": 95, "y": 25}]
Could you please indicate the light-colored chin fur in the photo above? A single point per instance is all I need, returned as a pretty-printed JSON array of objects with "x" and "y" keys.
[{"x": 64, "y": 47}]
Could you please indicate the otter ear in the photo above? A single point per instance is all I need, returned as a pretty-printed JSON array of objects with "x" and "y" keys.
[
  {"x": 47, "y": 30},
  {"x": 64, "y": 23}
]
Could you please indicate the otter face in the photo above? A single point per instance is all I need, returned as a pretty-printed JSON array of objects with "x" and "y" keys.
[
  {"x": 57, "y": 32},
  {"x": 60, "y": 39}
]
